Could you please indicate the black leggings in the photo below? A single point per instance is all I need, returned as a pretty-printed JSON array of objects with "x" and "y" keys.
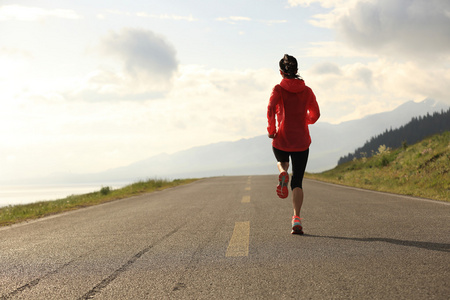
[{"x": 299, "y": 160}]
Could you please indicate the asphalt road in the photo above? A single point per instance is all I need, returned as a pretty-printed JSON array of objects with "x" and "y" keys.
[{"x": 229, "y": 238}]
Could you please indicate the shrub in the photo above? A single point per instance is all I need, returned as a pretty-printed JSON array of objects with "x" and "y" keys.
[
  {"x": 404, "y": 145},
  {"x": 383, "y": 150},
  {"x": 384, "y": 161},
  {"x": 105, "y": 190}
]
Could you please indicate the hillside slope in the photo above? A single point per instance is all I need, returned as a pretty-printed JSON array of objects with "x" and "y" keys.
[
  {"x": 421, "y": 170},
  {"x": 416, "y": 130}
]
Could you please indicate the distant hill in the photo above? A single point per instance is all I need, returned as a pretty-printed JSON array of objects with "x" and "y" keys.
[
  {"x": 254, "y": 156},
  {"x": 414, "y": 131}
]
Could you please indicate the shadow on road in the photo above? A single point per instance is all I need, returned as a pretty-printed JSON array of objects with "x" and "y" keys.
[{"x": 424, "y": 245}]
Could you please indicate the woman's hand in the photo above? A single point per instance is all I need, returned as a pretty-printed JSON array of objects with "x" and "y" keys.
[{"x": 272, "y": 136}]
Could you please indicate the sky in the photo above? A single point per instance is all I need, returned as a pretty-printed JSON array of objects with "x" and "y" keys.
[{"x": 87, "y": 86}]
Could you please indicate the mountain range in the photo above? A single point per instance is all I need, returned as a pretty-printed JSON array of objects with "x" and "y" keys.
[{"x": 254, "y": 156}]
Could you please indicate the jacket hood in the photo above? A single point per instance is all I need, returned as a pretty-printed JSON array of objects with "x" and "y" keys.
[{"x": 293, "y": 85}]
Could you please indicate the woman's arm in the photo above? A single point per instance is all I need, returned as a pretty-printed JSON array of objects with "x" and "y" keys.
[
  {"x": 271, "y": 113},
  {"x": 313, "y": 110}
]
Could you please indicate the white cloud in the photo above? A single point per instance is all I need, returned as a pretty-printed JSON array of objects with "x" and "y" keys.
[
  {"x": 25, "y": 13},
  {"x": 227, "y": 104},
  {"x": 233, "y": 19},
  {"x": 188, "y": 18},
  {"x": 271, "y": 22},
  {"x": 119, "y": 12},
  {"x": 143, "y": 68},
  {"x": 354, "y": 90},
  {"x": 143, "y": 14},
  {"x": 408, "y": 79},
  {"x": 334, "y": 49},
  {"x": 415, "y": 29},
  {"x": 342, "y": 4},
  {"x": 12, "y": 61},
  {"x": 115, "y": 85},
  {"x": 143, "y": 52},
  {"x": 403, "y": 48},
  {"x": 14, "y": 52},
  {"x": 326, "y": 68}
]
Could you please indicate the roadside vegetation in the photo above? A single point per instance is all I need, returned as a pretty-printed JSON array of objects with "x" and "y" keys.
[
  {"x": 19, "y": 213},
  {"x": 421, "y": 170}
]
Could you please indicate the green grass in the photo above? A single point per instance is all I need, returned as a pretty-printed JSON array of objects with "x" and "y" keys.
[
  {"x": 19, "y": 213},
  {"x": 421, "y": 170}
]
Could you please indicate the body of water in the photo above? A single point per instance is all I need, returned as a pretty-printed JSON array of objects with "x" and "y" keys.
[{"x": 13, "y": 195}]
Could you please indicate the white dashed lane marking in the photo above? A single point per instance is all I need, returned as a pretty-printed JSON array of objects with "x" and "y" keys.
[{"x": 239, "y": 240}]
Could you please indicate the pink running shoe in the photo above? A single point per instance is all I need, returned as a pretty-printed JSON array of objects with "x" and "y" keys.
[
  {"x": 297, "y": 225},
  {"x": 282, "y": 187}
]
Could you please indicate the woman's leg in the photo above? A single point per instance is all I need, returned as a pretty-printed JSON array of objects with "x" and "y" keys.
[
  {"x": 297, "y": 200},
  {"x": 283, "y": 166},
  {"x": 282, "y": 159},
  {"x": 299, "y": 160}
]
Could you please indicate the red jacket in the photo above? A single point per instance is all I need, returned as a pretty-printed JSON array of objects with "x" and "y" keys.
[{"x": 295, "y": 107}]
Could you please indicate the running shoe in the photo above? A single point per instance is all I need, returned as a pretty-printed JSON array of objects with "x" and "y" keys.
[
  {"x": 297, "y": 225},
  {"x": 282, "y": 187}
]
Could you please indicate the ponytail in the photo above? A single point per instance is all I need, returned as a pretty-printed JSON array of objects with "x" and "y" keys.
[{"x": 288, "y": 65}]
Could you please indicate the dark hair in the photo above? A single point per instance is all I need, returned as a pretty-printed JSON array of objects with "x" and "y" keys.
[{"x": 288, "y": 65}]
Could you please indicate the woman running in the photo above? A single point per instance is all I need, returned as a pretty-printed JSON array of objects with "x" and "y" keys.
[{"x": 294, "y": 106}]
